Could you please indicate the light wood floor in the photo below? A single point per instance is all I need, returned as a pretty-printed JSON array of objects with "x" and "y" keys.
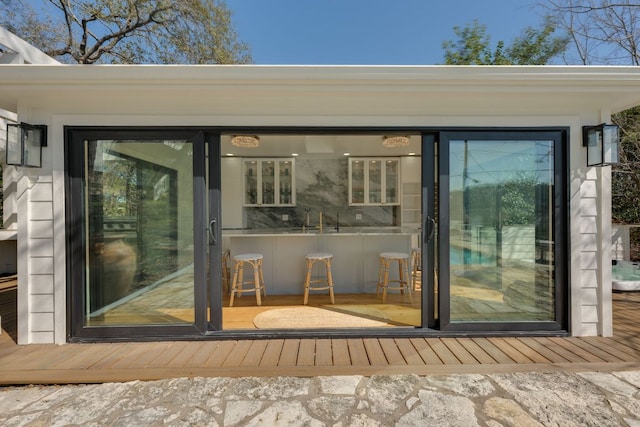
[{"x": 88, "y": 363}]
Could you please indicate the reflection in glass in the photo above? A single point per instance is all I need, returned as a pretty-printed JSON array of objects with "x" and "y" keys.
[
  {"x": 139, "y": 222},
  {"x": 501, "y": 234}
]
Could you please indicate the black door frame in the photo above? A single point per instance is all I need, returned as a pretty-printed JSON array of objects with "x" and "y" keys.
[
  {"x": 75, "y": 140},
  {"x": 208, "y": 232},
  {"x": 560, "y": 227}
]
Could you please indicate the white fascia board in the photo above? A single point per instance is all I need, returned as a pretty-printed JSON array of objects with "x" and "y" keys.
[{"x": 17, "y": 81}]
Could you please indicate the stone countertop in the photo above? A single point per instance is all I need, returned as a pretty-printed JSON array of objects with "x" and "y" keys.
[{"x": 326, "y": 231}]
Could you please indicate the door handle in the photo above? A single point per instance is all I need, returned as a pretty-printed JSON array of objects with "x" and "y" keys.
[
  {"x": 212, "y": 232},
  {"x": 430, "y": 225}
]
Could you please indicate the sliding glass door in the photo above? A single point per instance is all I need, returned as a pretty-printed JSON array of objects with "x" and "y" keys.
[
  {"x": 138, "y": 203},
  {"x": 501, "y": 209}
]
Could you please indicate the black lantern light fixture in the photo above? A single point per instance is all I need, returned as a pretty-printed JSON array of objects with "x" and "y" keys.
[
  {"x": 24, "y": 144},
  {"x": 603, "y": 144}
]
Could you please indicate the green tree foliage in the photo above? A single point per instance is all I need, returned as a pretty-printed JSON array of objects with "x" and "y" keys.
[
  {"x": 625, "y": 180},
  {"x": 532, "y": 47},
  {"x": 127, "y": 31}
]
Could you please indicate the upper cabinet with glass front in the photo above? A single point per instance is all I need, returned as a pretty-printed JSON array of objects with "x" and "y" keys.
[
  {"x": 374, "y": 181},
  {"x": 269, "y": 182}
]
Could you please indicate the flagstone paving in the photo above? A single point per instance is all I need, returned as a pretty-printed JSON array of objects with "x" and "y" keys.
[{"x": 509, "y": 399}]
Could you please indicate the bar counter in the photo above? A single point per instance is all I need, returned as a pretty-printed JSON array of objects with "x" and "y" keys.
[{"x": 355, "y": 250}]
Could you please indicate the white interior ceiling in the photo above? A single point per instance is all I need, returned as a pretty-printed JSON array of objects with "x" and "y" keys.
[{"x": 320, "y": 146}]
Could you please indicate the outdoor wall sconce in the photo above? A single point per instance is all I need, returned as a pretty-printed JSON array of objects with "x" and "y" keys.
[
  {"x": 603, "y": 143},
  {"x": 24, "y": 144}
]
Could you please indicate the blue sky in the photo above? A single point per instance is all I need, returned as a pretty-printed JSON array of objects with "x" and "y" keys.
[{"x": 374, "y": 32}]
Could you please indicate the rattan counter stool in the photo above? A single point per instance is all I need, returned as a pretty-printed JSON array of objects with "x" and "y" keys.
[
  {"x": 386, "y": 258},
  {"x": 255, "y": 260},
  {"x": 324, "y": 282}
]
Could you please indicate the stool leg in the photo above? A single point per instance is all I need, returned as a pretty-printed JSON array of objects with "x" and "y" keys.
[
  {"x": 234, "y": 283},
  {"x": 256, "y": 281},
  {"x": 414, "y": 269},
  {"x": 307, "y": 281},
  {"x": 406, "y": 279},
  {"x": 385, "y": 283},
  {"x": 262, "y": 285},
  {"x": 401, "y": 279},
  {"x": 330, "y": 281},
  {"x": 380, "y": 277}
]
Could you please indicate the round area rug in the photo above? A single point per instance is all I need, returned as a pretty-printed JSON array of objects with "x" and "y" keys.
[{"x": 314, "y": 317}]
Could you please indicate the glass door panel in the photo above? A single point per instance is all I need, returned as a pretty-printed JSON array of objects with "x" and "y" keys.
[
  {"x": 500, "y": 217},
  {"x": 139, "y": 223},
  {"x": 268, "y": 183},
  {"x": 375, "y": 181},
  {"x": 251, "y": 182},
  {"x": 286, "y": 182},
  {"x": 357, "y": 181},
  {"x": 392, "y": 182}
]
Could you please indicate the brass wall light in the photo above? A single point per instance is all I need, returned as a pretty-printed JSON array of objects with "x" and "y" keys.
[
  {"x": 24, "y": 144},
  {"x": 603, "y": 144}
]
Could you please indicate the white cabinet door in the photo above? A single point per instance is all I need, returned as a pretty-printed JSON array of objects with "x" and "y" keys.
[
  {"x": 374, "y": 181},
  {"x": 269, "y": 182}
]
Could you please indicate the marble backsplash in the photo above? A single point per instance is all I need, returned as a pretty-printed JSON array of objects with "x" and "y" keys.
[{"x": 322, "y": 186}]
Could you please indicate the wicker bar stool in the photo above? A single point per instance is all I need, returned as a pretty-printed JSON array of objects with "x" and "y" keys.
[
  {"x": 386, "y": 258},
  {"x": 255, "y": 260},
  {"x": 325, "y": 282}
]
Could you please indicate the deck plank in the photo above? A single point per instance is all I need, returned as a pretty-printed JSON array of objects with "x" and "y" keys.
[
  {"x": 162, "y": 360},
  {"x": 545, "y": 351},
  {"x": 272, "y": 352},
  {"x": 86, "y": 356},
  {"x": 564, "y": 351},
  {"x": 217, "y": 358},
  {"x": 324, "y": 355},
  {"x": 307, "y": 352},
  {"x": 201, "y": 356},
  {"x": 357, "y": 352},
  {"x": 506, "y": 347},
  {"x": 136, "y": 358},
  {"x": 237, "y": 355},
  {"x": 621, "y": 350},
  {"x": 340, "y": 352},
  {"x": 531, "y": 353},
  {"x": 578, "y": 351},
  {"x": 254, "y": 353},
  {"x": 605, "y": 349},
  {"x": 374, "y": 352},
  {"x": 289, "y": 355},
  {"x": 391, "y": 351},
  {"x": 490, "y": 348},
  {"x": 409, "y": 353},
  {"x": 443, "y": 352},
  {"x": 478, "y": 353},
  {"x": 459, "y": 351},
  {"x": 425, "y": 351},
  {"x": 121, "y": 351}
]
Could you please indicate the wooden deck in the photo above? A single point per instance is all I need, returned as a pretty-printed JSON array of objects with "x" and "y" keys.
[{"x": 91, "y": 363}]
